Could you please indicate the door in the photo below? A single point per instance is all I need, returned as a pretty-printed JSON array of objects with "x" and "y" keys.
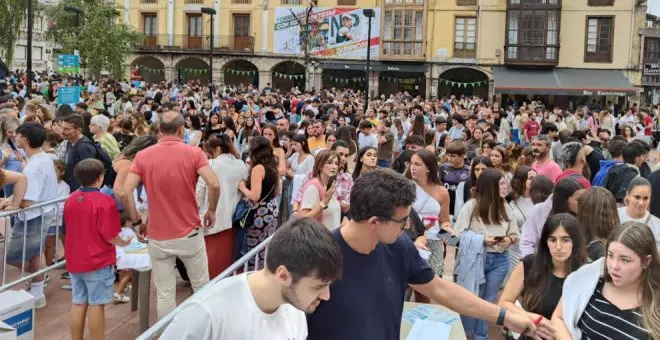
[
  {"x": 242, "y": 32},
  {"x": 194, "y": 38},
  {"x": 150, "y": 26}
]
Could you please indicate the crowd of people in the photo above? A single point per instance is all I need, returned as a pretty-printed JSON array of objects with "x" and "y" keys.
[{"x": 528, "y": 199}]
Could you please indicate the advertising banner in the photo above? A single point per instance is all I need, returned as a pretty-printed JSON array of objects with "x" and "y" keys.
[
  {"x": 333, "y": 32},
  {"x": 68, "y": 63}
]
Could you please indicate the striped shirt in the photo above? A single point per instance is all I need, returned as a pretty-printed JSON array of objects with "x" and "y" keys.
[{"x": 603, "y": 320}]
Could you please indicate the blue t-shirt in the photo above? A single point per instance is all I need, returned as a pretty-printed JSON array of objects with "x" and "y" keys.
[{"x": 367, "y": 302}]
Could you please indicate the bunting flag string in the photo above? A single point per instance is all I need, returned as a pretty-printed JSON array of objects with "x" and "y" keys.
[
  {"x": 288, "y": 76},
  {"x": 463, "y": 84},
  {"x": 240, "y": 72},
  {"x": 345, "y": 80},
  {"x": 193, "y": 70},
  {"x": 150, "y": 70},
  {"x": 403, "y": 80}
]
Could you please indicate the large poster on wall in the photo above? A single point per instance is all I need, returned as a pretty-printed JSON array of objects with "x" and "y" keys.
[{"x": 334, "y": 32}]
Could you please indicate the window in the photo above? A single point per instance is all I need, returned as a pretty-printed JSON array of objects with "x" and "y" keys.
[
  {"x": 651, "y": 56},
  {"x": 533, "y": 35},
  {"x": 465, "y": 33},
  {"x": 19, "y": 52},
  {"x": 466, "y": 2},
  {"x": 37, "y": 53},
  {"x": 150, "y": 26},
  {"x": 346, "y": 2},
  {"x": 601, "y": 3},
  {"x": 600, "y": 33},
  {"x": 404, "y": 32}
]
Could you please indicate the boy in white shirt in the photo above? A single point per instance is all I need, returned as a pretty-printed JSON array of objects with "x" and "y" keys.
[{"x": 303, "y": 260}]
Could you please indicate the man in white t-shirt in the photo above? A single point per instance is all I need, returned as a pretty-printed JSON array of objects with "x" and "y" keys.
[
  {"x": 303, "y": 260},
  {"x": 24, "y": 247}
]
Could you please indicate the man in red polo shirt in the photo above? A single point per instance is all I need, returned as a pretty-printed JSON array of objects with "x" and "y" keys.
[{"x": 169, "y": 172}]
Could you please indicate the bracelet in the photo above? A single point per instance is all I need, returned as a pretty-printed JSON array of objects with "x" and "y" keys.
[
  {"x": 137, "y": 223},
  {"x": 500, "y": 317}
]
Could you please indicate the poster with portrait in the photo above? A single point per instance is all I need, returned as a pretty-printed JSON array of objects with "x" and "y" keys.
[{"x": 333, "y": 32}]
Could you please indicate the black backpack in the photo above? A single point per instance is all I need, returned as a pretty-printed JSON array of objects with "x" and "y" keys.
[
  {"x": 618, "y": 179},
  {"x": 110, "y": 173}
]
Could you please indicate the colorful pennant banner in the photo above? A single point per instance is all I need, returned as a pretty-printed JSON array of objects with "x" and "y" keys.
[
  {"x": 288, "y": 76},
  {"x": 240, "y": 72},
  {"x": 345, "y": 80},
  {"x": 148, "y": 69},
  {"x": 463, "y": 84}
]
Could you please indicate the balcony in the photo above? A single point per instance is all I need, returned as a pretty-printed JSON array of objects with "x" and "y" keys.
[
  {"x": 466, "y": 2},
  {"x": 241, "y": 2},
  {"x": 525, "y": 55},
  {"x": 147, "y": 2},
  {"x": 194, "y": 2},
  {"x": 223, "y": 43}
]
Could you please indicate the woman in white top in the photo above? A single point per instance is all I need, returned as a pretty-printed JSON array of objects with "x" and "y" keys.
[
  {"x": 521, "y": 204},
  {"x": 637, "y": 201},
  {"x": 319, "y": 199},
  {"x": 230, "y": 171},
  {"x": 431, "y": 197},
  {"x": 300, "y": 163}
]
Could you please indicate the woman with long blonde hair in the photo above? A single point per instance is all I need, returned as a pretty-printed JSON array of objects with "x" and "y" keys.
[
  {"x": 615, "y": 297},
  {"x": 598, "y": 218}
]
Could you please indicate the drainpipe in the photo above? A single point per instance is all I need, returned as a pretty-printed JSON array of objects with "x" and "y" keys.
[{"x": 632, "y": 35}]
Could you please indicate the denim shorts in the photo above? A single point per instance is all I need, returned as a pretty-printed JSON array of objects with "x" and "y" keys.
[
  {"x": 20, "y": 232},
  {"x": 53, "y": 230},
  {"x": 93, "y": 288}
]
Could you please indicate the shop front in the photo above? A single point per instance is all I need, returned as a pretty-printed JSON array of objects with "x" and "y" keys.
[
  {"x": 565, "y": 88},
  {"x": 386, "y": 78}
]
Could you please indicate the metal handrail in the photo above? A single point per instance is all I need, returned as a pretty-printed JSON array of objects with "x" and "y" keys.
[
  {"x": 161, "y": 324},
  {"x": 7, "y": 216}
]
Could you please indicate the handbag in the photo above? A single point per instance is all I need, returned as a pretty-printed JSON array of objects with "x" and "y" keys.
[{"x": 243, "y": 209}]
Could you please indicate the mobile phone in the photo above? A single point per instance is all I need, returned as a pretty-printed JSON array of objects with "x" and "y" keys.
[
  {"x": 453, "y": 241},
  {"x": 330, "y": 182},
  {"x": 499, "y": 238}
]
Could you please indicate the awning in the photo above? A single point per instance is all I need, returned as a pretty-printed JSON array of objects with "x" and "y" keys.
[{"x": 562, "y": 82}]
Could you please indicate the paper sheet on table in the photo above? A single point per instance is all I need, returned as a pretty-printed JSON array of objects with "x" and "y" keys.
[{"x": 429, "y": 330}]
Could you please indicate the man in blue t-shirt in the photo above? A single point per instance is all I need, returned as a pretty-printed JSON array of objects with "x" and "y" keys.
[{"x": 380, "y": 261}]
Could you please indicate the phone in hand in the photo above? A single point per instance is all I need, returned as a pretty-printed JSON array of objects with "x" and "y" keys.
[
  {"x": 453, "y": 241},
  {"x": 330, "y": 182},
  {"x": 499, "y": 238}
]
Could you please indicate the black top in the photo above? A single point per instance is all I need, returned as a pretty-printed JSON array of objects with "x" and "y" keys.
[
  {"x": 75, "y": 153},
  {"x": 123, "y": 139},
  {"x": 603, "y": 320},
  {"x": 367, "y": 302},
  {"x": 593, "y": 160},
  {"x": 596, "y": 250},
  {"x": 551, "y": 297},
  {"x": 268, "y": 186}
]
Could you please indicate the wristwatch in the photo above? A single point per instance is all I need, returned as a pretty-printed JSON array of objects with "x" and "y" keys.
[{"x": 324, "y": 206}]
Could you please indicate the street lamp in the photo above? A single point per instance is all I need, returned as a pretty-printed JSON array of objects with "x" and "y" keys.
[
  {"x": 77, "y": 11},
  {"x": 369, "y": 13},
  {"x": 30, "y": 18},
  {"x": 210, "y": 11}
]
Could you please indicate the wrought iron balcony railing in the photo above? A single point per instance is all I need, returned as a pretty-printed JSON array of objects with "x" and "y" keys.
[{"x": 220, "y": 43}]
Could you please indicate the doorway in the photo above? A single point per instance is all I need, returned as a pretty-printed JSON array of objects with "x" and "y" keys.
[
  {"x": 241, "y": 31},
  {"x": 194, "y": 30}
]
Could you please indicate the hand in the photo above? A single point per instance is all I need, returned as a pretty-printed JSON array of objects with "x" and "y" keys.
[
  {"x": 209, "y": 218},
  {"x": 521, "y": 322},
  {"x": 489, "y": 241},
  {"x": 289, "y": 173},
  {"x": 125, "y": 242},
  {"x": 447, "y": 227},
  {"x": 141, "y": 233},
  {"x": 241, "y": 186},
  {"x": 505, "y": 243},
  {"x": 422, "y": 243},
  {"x": 328, "y": 194},
  {"x": 19, "y": 156}
]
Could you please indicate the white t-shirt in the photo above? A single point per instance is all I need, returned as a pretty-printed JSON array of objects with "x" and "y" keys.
[
  {"x": 648, "y": 219},
  {"x": 331, "y": 216},
  {"x": 227, "y": 310},
  {"x": 41, "y": 184},
  {"x": 370, "y": 140}
]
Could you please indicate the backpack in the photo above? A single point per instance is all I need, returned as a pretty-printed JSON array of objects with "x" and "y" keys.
[
  {"x": 618, "y": 179},
  {"x": 110, "y": 173}
]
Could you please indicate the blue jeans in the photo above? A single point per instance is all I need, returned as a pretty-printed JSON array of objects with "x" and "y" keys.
[
  {"x": 496, "y": 268},
  {"x": 93, "y": 288}
]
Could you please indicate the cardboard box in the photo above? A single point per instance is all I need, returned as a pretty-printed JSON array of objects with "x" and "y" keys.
[
  {"x": 17, "y": 311},
  {"x": 7, "y": 332}
]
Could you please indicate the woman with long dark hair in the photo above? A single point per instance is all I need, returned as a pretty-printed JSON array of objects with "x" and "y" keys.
[
  {"x": 262, "y": 188},
  {"x": 366, "y": 161},
  {"x": 465, "y": 189},
  {"x": 347, "y": 135},
  {"x": 213, "y": 125},
  {"x": 418, "y": 126},
  {"x": 269, "y": 131},
  {"x": 537, "y": 282},
  {"x": 194, "y": 126},
  {"x": 615, "y": 297},
  {"x": 229, "y": 128},
  {"x": 488, "y": 218},
  {"x": 521, "y": 204},
  {"x": 319, "y": 200},
  {"x": 301, "y": 162},
  {"x": 245, "y": 133}
]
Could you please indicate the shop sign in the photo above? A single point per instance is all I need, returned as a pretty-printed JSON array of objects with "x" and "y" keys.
[
  {"x": 651, "y": 68},
  {"x": 604, "y": 93}
]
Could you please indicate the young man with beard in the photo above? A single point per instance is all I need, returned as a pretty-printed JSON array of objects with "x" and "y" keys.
[
  {"x": 380, "y": 261},
  {"x": 543, "y": 164},
  {"x": 303, "y": 260}
]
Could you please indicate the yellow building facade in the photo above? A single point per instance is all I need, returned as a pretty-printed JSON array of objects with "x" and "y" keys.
[{"x": 427, "y": 47}]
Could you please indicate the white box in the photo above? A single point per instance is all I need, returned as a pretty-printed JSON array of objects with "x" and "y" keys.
[
  {"x": 7, "y": 332},
  {"x": 17, "y": 310}
]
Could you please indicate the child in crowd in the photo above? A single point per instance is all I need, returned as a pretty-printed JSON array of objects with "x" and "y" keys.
[
  {"x": 93, "y": 224},
  {"x": 57, "y": 229},
  {"x": 124, "y": 274}
]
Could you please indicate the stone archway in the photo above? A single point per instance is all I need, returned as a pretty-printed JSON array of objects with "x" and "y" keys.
[
  {"x": 288, "y": 74},
  {"x": 150, "y": 68},
  {"x": 192, "y": 69},
  {"x": 460, "y": 81},
  {"x": 240, "y": 72}
]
